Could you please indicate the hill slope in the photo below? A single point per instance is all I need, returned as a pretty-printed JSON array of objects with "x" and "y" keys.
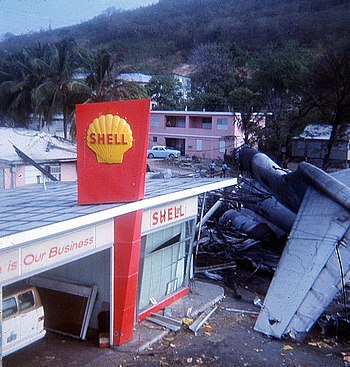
[{"x": 160, "y": 36}]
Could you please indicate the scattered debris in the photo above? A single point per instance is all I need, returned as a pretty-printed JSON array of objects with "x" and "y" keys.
[
  {"x": 207, "y": 269},
  {"x": 241, "y": 311},
  {"x": 212, "y": 275},
  {"x": 321, "y": 344},
  {"x": 200, "y": 321},
  {"x": 170, "y": 323},
  {"x": 314, "y": 266},
  {"x": 187, "y": 321},
  {"x": 274, "y": 214},
  {"x": 346, "y": 358}
]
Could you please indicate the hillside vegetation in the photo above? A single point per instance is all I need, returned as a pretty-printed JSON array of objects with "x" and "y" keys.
[
  {"x": 286, "y": 60},
  {"x": 157, "y": 38}
]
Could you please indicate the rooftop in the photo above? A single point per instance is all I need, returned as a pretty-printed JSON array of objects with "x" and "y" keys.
[
  {"x": 37, "y": 145},
  {"x": 319, "y": 132},
  {"x": 194, "y": 113},
  {"x": 33, "y": 212}
]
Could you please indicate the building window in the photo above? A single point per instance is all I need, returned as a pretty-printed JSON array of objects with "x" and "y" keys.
[
  {"x": 222, "y": 123},
  {"x": 165, "y": 262},
  {"x": 176, "y": 121},
  {"x": 222, "y": 146},
  {"x": 155, "y": 121},
  {"x": 55, "y": 171},
  {"x": 199, "y": 145},
  {"x": 155, "y": 139},
  {"x": 206, "y": 123}
]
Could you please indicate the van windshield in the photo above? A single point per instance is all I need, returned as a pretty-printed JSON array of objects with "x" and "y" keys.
[
  {"x": 9, "y": 307},
  {"x": 26, "y": 300}
]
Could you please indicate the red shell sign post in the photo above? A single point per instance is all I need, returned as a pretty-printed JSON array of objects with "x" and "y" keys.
[{"x": 112, "y": 139}]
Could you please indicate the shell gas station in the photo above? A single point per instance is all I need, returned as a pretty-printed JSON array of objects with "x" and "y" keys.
[{"x": 113, "y": 247}]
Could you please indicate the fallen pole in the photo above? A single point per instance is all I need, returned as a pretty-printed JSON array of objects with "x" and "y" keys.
[{"x": 241, "y": 311}]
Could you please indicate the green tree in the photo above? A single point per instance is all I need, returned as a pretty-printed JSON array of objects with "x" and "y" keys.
[
  {"x": 20, "y": 74},
  {"x": 59, "y": 92},
  {"x": 248, "y": 104},
  {"x": 277, "y": 79},
  {"x": 327, "y": 90},
  {"x": 166, "y": 91},
  {"x": 103, "y": 78},
  {"x": 219, "y": 69}
]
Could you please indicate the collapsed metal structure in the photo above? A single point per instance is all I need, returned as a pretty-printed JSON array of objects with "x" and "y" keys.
[{"x": 313, "y": 207}]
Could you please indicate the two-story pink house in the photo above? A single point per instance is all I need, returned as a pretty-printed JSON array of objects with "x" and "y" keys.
[{"x": 195, "y": 133}]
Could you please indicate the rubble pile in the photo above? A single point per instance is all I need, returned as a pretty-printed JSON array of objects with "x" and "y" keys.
[{"x": 228, "y": 253}]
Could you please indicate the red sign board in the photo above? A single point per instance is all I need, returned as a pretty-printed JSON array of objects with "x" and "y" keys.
[{"x": 112, "y": 140}]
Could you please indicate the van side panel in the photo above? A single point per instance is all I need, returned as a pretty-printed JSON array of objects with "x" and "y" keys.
[{"x": 11, "y": 324}]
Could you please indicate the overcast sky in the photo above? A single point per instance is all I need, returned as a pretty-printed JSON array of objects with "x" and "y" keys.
[{"x": 23, "y": 16}]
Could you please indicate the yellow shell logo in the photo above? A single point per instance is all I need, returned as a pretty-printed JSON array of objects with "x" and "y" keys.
[{"x": 109, "y": 136}]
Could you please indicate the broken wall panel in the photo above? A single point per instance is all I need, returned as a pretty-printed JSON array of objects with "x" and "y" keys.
[
  {"x": 308, "y": 274},
  {"x": 67, "y": 305}
]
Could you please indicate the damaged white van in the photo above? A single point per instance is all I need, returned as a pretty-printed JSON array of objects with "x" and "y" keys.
[{"x": 22, "y": 319}]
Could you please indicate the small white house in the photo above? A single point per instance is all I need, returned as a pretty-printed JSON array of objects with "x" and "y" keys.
[
  {"x": 53, "y": 155},
  {"x": 312, "y": 144},
  {"x": 143, "y": 79}
]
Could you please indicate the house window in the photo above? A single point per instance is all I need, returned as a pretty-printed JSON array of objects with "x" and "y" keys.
[
  {"x": 206, "y": 123},
  {"x": 222, "y": 123},
  {"x": 155, "y": 139},
  {"x": 181, "y": 121},
  {"x": 199, "y": 145},
  {"x": 222, "y": 146},
  {"x": 155, "y": 121},
  {"x": 55, "y": 171},
  {"x": 176, "y": 121}
]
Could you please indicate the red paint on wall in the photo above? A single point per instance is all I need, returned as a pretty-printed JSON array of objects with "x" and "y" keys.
[
  {"x": 100, "y": 182},
  {"x": 127, "y": 244},
  {"x": 183, "y": 292}
]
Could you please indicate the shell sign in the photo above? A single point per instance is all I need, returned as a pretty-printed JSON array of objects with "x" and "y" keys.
[
  {"x": 112, "y": 140},
  {"x": 109, "y": 137}
]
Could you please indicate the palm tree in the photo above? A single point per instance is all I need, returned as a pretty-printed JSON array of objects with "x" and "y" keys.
[
  {"x": 60, "y": 92},
  {"x": 19, "y": 76},
  {"x": 103, "y": 77}
]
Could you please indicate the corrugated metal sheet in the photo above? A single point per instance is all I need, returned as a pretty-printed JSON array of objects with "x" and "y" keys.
[
  {"x": 315, "y": 262},
  {"x": 39, "y": 146}
]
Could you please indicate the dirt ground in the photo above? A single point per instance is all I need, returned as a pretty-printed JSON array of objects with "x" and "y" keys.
[{"x": 227, "y": 340}]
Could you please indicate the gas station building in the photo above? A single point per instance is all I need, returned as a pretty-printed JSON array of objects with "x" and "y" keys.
[
  {"x": 112, "y": 243},
  {"x": 46, "y": 236}
]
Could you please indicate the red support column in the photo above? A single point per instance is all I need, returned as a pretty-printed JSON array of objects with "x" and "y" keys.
[{"x": 127, "y": 244}]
